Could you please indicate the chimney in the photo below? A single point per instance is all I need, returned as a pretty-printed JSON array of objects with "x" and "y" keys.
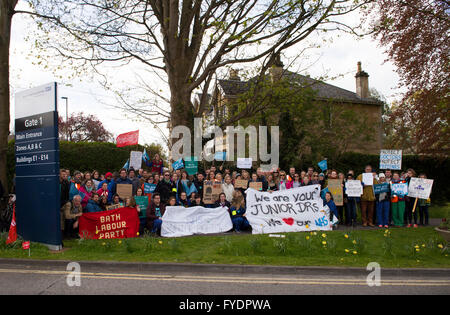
[
  {"x": 276, "y": 70},
  {"x": 362, "y": 82},
  {"x": 234, "y": 75}
]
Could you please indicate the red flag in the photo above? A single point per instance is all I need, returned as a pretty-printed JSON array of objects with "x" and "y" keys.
[
  {"x": 129, "y": 138},
  {"x": 12, "y": 235}
]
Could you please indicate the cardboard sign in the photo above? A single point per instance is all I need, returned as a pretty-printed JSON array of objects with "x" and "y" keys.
[
  {"x": 136, "y": 160},
  {"x": 113, "y": 207},
  {"x": 256, "y": 185},
  {"x": 124, "y": 190},
  {"x": 241, "y": 183},
  {"x": 211, "y": 192},
  {"x": 420, "y": 188},
  {"x": 244, "y": 163},
  {"x": 353, "y": 188},
  {"x": 391, "y": 159},
  {"x": 337, "y": 191}
]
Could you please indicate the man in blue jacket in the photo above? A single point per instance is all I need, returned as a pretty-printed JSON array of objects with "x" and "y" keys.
[{"x": 93, "y": 204}]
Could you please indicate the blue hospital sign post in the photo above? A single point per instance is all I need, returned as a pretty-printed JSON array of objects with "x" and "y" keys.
[{"x": 37, "y": 166}]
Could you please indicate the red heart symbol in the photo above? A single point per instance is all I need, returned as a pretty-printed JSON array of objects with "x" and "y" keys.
[{"x": 289, "y": 221}]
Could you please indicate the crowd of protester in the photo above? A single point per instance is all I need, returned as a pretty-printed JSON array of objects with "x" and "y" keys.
[{"x": 94, "y": 192}]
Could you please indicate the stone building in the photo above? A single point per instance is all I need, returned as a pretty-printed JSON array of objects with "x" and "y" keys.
[{"x": 227, "y": 91}]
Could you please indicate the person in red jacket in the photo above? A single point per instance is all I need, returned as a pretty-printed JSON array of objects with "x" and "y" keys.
[{"x": 156, "y": 165}]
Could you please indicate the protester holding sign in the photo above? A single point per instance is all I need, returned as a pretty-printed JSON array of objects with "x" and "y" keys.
[
  {"x": 156, "y": 165},
  {"x": 397, "y": 202},
  {"x": 424, "y": 204},
  {"x": 409, "y": 202},
  {"x": 351, "y": 201},
  {"x": 368, "y": 197},
  {"x": 383, "y": 204}
]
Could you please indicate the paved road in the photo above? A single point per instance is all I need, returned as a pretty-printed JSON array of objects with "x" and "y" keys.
[{"x": 51, "y": 278}]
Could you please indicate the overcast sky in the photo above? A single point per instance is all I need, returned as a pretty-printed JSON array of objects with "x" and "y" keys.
[{"x": 338, "y": 58}]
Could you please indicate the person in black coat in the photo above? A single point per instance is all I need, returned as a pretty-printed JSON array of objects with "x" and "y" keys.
[{"x": 166, "y": 188}]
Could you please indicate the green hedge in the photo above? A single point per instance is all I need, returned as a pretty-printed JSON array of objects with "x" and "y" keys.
[
  {"x": 107, "y": 157},
  {"x": 87, "y": 156}
]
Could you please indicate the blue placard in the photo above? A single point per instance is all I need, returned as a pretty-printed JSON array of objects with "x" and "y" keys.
[
  {"x": 323, "y": 165},
  {"x": 178, "y": 164},
  {"x": 220, "y": 156},
  {"x": 380, "y": 188},
  {"x": 149, "y": 188},
  {"x": 399, "y": 189}
]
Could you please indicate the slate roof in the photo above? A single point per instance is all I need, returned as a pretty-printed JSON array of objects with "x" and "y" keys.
[{"x": 324, "y": 90}]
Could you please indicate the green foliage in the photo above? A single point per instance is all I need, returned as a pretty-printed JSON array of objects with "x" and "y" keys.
[{"x": 87, "y": 156}]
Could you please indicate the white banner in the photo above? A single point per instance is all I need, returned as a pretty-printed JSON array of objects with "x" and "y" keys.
[
  {"x": 391, "y": 159},
  {"x": 353, "y": 188},
  {"x": 180, "y": 221},
  {"x": 420, "y": 188},
  {"x": 291, "y": 210}
]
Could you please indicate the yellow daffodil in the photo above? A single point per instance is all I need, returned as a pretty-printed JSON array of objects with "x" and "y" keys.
[
  {"x": 346, "y": 235},
  {"x": 324, "y": 243},
  {"x": 307, "y": 237},
  {"x": 314, "y": 233},
  {"x": 417, "y": 250},
  {"x": 346, "y": 250},
  {"x": 417, "y": 246},
  {"x": 137, "y": 233},
  {"x": 355, "y": 252},
  {"x": 160, "y": 242},
  {"x": 423, "y": 245},
  {"x": 440, "y": 246},
  {"x": 324, "y": 235},
  {"x": 354, "y": 242},
  {"x": 120, "y": 242},
  {"x": 103, "y": 243}
]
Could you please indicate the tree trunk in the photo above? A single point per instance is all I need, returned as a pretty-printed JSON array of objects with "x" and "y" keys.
[{"x": 6, "y": 13}]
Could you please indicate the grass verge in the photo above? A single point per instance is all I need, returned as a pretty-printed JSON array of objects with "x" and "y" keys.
[{"x": 393, "y": 248}]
